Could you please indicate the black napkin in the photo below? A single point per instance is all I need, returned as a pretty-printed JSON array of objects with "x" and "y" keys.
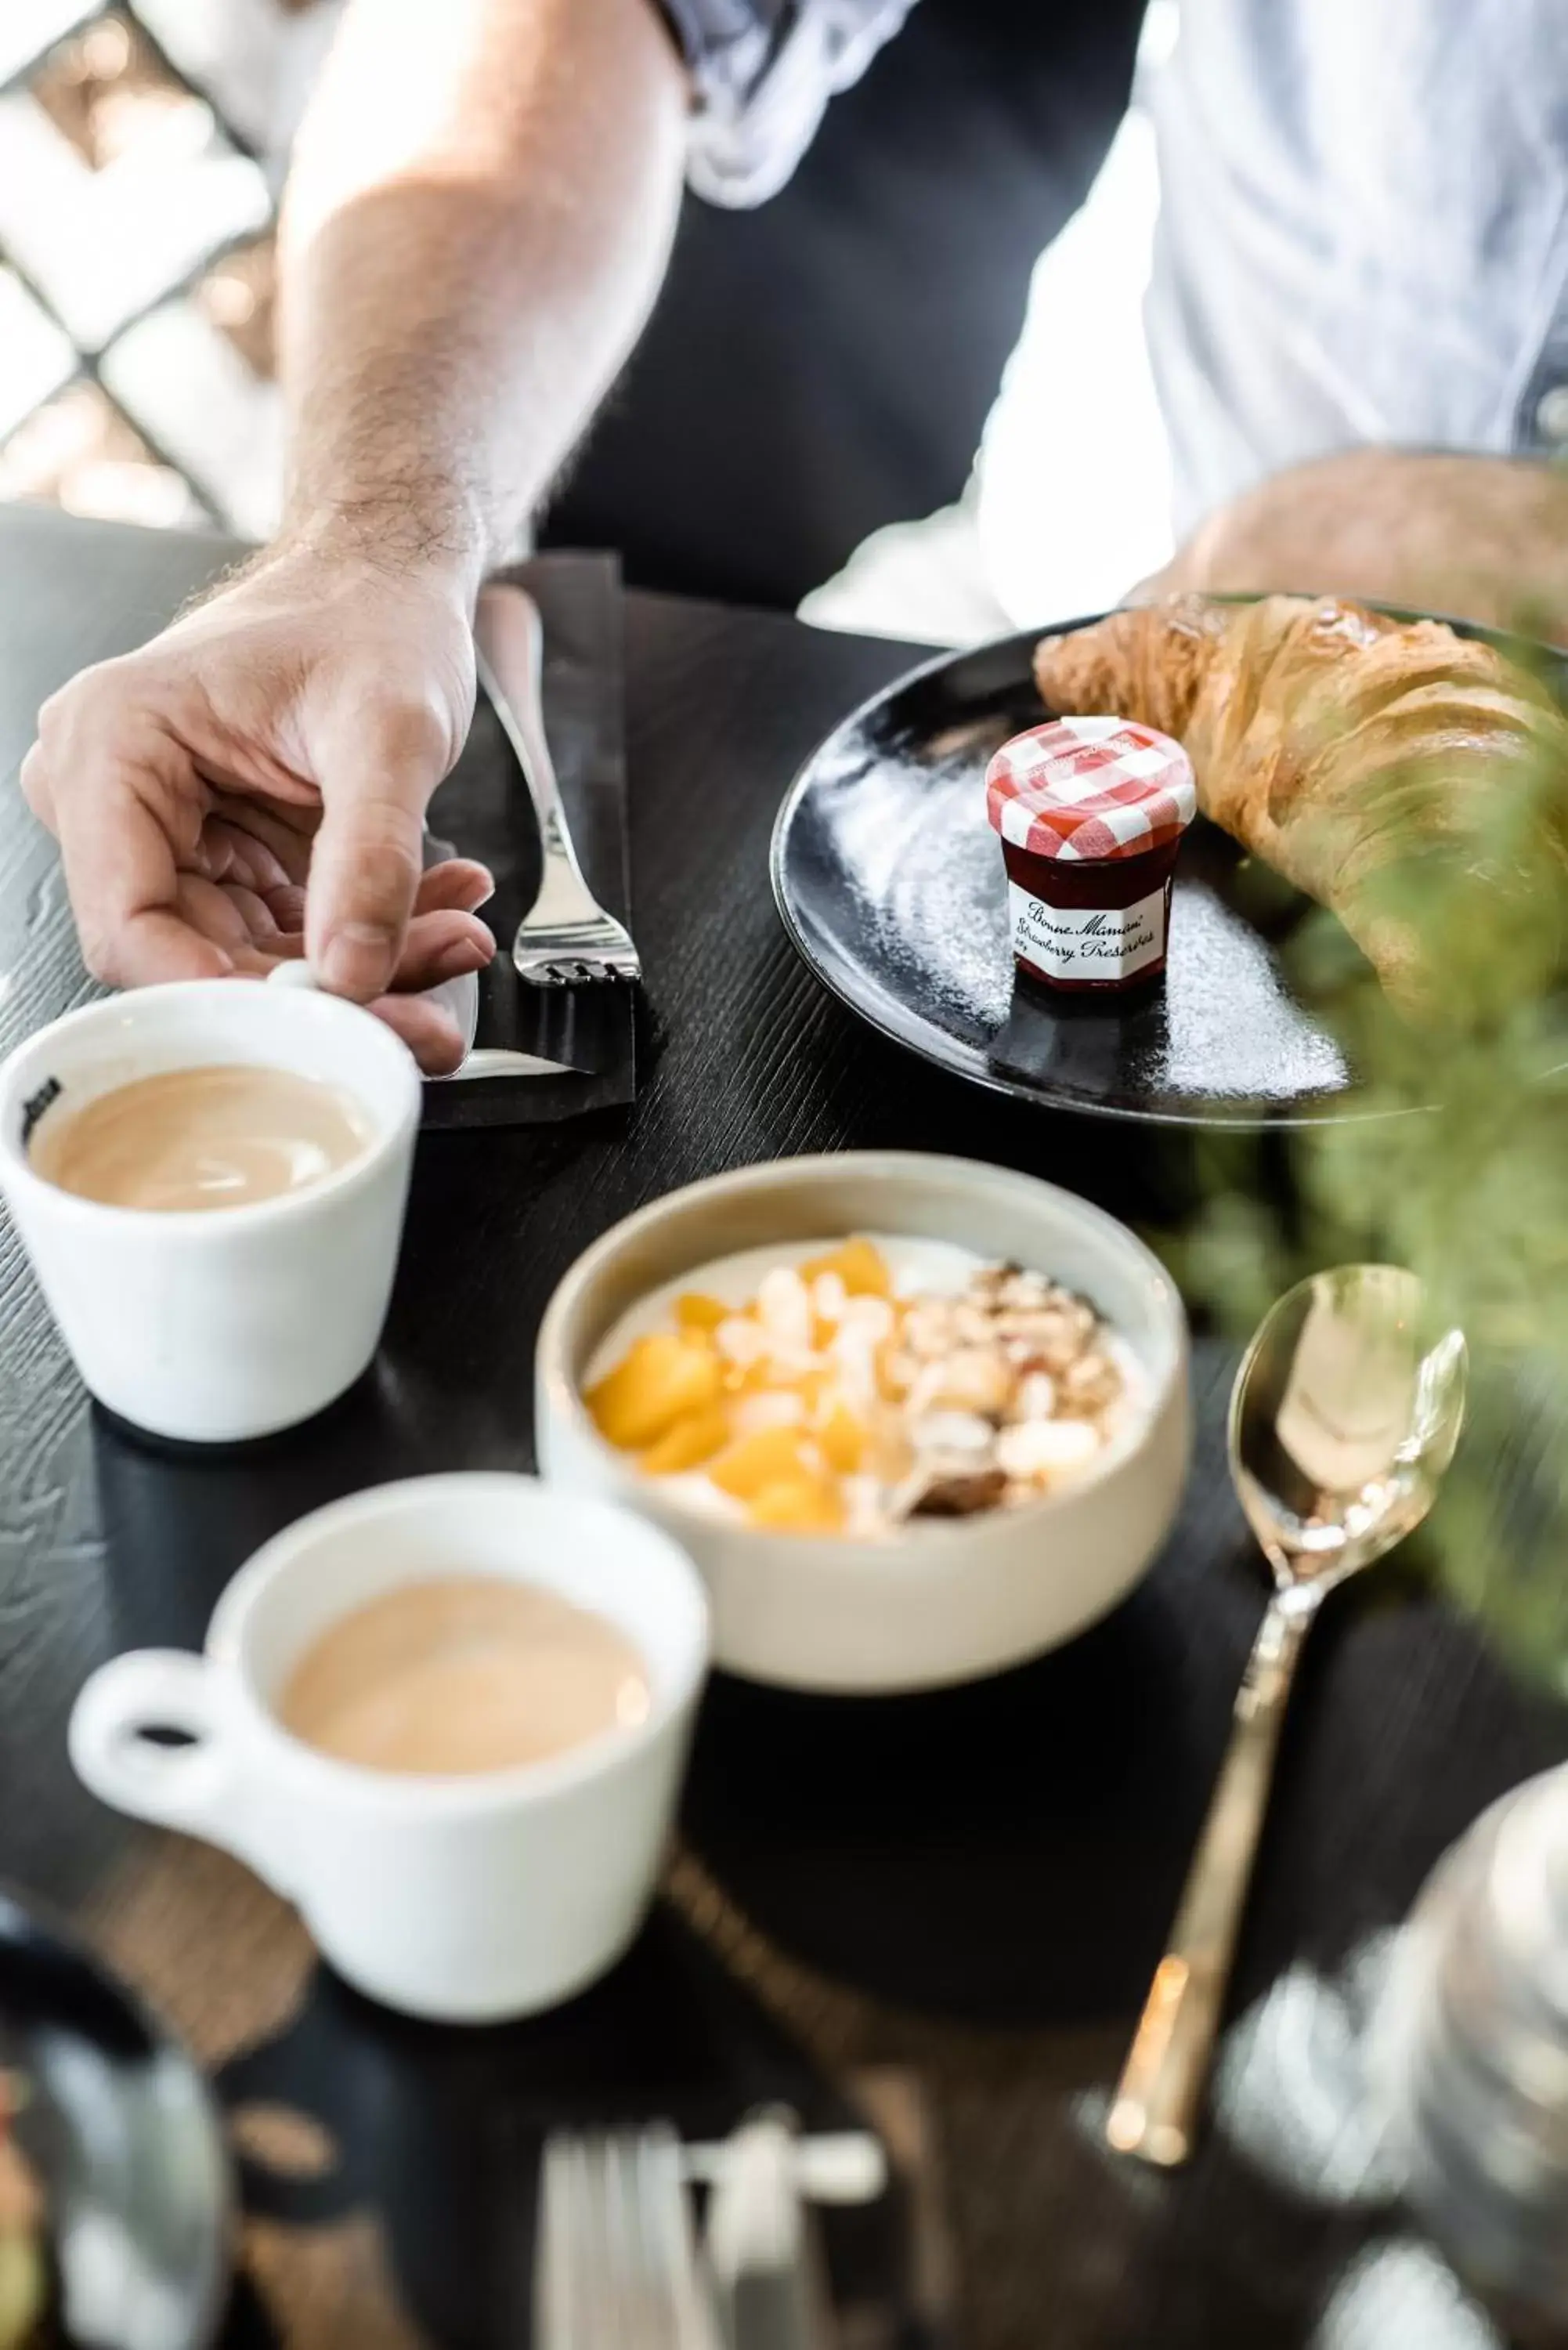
[
  {"x": 440, "y": 2131},
  {"x": 483, "y": 810}
]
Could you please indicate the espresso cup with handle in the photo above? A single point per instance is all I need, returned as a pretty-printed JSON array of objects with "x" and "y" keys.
[
  {"x": 464, "y": 1899},
  {"x": 216, "y": 1325}
]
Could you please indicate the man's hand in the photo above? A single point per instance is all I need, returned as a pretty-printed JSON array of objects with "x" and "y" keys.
[
  {"x": 478, "y": 218},
  {"x": 252, "y": 785},
  {"x": 1484, "y": 537}
]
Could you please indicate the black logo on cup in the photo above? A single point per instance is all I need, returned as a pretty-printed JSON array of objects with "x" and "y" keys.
[{"x": 32, "y": 1108}]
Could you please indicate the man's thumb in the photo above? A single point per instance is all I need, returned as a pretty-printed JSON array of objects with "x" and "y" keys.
[{"x": 365, "y": 863}]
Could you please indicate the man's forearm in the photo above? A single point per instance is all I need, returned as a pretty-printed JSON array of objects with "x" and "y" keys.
[
  {"x": 1442, "y": 531},
  {"x": 478, "y": 220}
]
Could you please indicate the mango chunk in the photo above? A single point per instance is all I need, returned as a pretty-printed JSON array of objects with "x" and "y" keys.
[
  {"x": 661, "y": 1379},
  {"x": 802, "y": 1505},
  {"x": 771, "y": 1456},
  {"x": 842, "y": 1437},
  {"x": 693, "y": 1311},
  {"x": 687, "y": 1442},
  {"x": 860, "y": 1266},
  {"x": 891, "y": 1383}
]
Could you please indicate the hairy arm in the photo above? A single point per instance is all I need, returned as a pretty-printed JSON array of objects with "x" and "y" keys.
[
  {"x": 1483, "y": 536},
  {"x": 479, "y": 217},
  {"x": 479, "y": 221}
]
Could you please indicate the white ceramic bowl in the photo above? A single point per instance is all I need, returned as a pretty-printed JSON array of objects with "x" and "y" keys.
[{"x": 947, "y": 1600}]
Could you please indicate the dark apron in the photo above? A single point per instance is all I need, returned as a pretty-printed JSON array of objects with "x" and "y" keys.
[{"x": 824, "y": 364}]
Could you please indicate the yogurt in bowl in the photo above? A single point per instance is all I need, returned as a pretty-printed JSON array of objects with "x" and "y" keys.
[
  {"x": 864, "y": 1599},
  {"x": 858, "y": 1389}
]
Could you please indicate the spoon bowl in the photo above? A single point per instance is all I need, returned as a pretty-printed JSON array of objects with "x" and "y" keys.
[{"x": 1345, "y": 1415}]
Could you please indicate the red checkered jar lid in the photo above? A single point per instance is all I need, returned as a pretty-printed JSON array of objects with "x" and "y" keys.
[{"x": 1090, "y": 789}]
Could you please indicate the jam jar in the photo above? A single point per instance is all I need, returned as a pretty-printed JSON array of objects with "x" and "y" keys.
[{"x": 1090, "y": 813}]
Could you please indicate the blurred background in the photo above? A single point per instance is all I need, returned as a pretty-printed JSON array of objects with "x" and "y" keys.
[
  {"x": 817, "y": 369},
  {"x": 136, "y": 257}
]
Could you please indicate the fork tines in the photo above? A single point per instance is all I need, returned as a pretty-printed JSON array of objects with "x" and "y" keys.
[
  {"x": 575, "y": 954},
  {"x": 616, "y": 2268}
]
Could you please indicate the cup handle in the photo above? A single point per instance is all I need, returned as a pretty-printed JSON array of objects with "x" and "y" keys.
[{"x": 192, "y": 1786}]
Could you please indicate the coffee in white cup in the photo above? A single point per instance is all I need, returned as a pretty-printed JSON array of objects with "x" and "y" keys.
[
  {"x": 223, "y": 1137},
  {"x": 465, "y": 1896},
  {"x": 205, "y": 1324},
  {"x": 461, "y": 1673}
]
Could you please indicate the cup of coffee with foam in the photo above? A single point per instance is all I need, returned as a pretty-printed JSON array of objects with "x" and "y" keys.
[
  {"x": 210, "y": 1179},
  {"x": 447, "y": 1718}
]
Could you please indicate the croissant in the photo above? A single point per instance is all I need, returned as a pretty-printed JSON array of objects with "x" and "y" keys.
[{"x": 1335, "y": 743}]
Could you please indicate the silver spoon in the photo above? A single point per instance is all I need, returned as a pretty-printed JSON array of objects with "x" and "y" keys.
[{"x": 1343, "y": 1416}]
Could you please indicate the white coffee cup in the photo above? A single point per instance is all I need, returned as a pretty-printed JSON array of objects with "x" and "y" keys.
[
  {"x": 221, "y": 1324},
  {"x": 462, "y": 1898}
]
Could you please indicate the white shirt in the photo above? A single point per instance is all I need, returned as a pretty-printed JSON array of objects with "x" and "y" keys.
[{"x": 1326, "y": 223}]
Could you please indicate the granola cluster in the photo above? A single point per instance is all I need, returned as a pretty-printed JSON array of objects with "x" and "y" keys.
[
  {"x": 1004, "y": 1390},
  {"x": 831, "y": 1403}
]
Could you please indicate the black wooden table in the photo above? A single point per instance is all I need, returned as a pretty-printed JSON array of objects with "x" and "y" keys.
[{"x": 947, "y": 1906}]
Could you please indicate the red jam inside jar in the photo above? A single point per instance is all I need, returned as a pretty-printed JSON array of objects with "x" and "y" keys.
[{"x": 1090, "y": 813}]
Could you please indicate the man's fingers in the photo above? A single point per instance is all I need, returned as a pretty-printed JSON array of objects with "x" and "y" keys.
[
  {"x": 158, "y": 945},
  {"x": 287, "y": 832},
  {"x": 375, "y": 775},
  {"x": 286, "y": 908},
  {"x": 235, "y": 853},
  {"x": 430, "y": 1035},
  {"x": 459, "y": 881},
  {"x": 443, "y": 946},
  {"x": 37, "y": 787},
  {"x": 239, "y": 917},
  {"x": 124, "y": 885}
]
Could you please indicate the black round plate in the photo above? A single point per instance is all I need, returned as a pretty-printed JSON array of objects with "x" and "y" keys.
[
  {"x": 122, "y": 2132},
  {"x": 890, "y": 883}
]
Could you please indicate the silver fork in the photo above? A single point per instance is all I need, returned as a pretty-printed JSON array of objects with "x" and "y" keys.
[
  {"x": 616, "y": 2268},
  {"x": 567, "y": 939}
]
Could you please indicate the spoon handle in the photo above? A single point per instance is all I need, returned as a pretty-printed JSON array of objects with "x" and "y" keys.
[{"x": 1155, "y": 2112}]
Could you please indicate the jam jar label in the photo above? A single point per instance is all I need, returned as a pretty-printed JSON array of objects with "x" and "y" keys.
[{"x": 1088, "y": 942}]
